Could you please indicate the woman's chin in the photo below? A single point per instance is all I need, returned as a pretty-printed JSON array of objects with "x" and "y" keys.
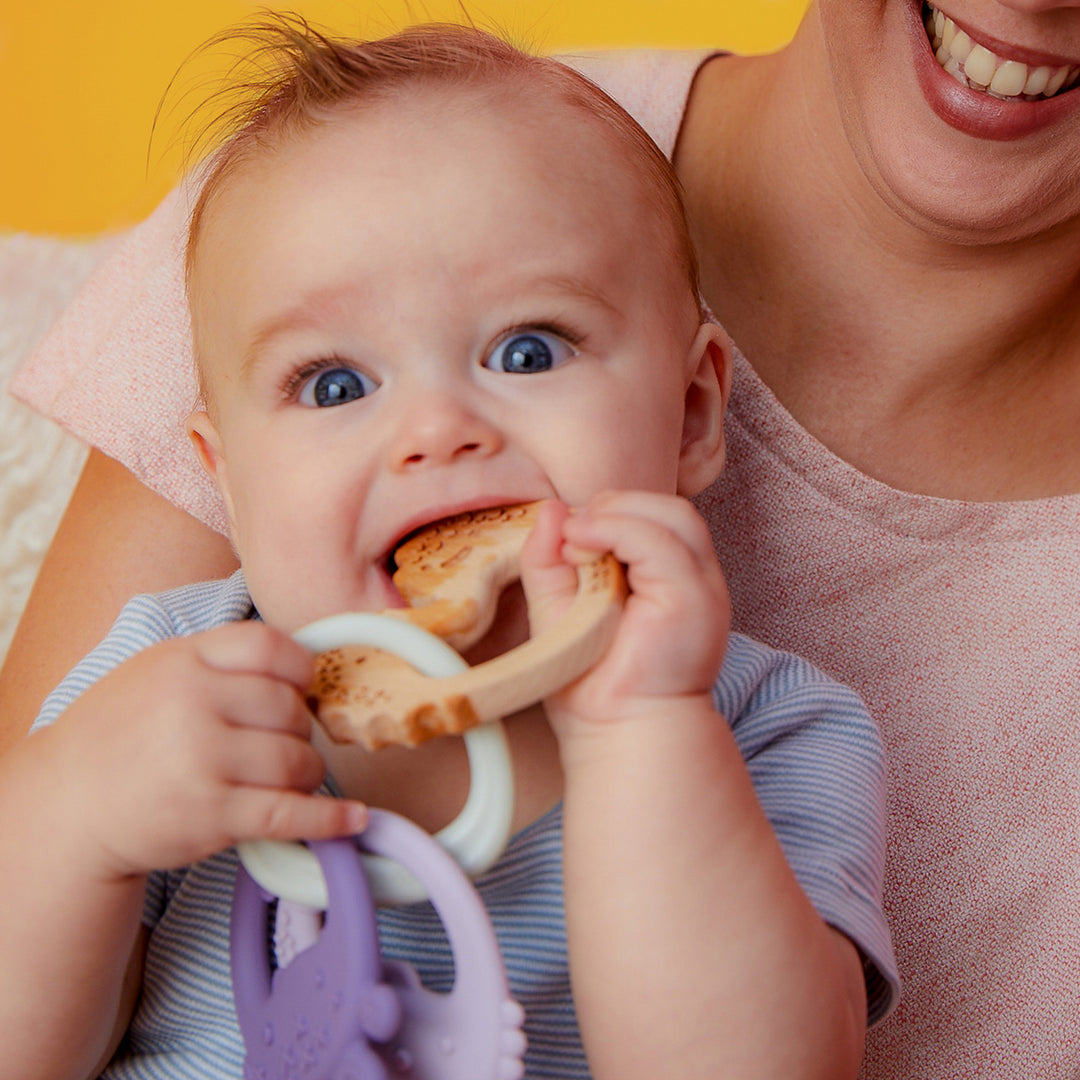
[{"x": 945, "y": 199}]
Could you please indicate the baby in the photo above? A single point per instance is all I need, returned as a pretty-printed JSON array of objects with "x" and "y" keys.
[{"x": 427, "y": 275}]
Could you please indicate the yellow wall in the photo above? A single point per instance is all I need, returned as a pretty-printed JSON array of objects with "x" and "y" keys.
[{"x": 80, "y": 81}]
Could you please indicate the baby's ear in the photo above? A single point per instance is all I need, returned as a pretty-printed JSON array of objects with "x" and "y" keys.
[
  {"x": 708, "y": 366},
  {"x": 211, "y": 452}
]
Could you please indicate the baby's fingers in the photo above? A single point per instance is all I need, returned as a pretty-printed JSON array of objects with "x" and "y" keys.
[
  {"x": 256, "y": 649},
  {"x": 265, "y": 814},
  {"x": 662, "y": 565},
  {"x": 674, "y": 629},
  {"x": 262, "y": 759},
  {"x": 630, "y": 522},
  {"x": 255, "y": 701},
  {"x": 549, "y": 581}
]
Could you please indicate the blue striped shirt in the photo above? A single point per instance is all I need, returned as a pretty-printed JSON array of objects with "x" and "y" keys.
[{"x": 812, "y": 752}]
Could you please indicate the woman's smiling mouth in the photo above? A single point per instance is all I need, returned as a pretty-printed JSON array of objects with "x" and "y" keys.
[{"x": 976, "y": 66}]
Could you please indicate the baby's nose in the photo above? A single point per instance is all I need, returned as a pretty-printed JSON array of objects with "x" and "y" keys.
[{"x": 442, "y": 431}]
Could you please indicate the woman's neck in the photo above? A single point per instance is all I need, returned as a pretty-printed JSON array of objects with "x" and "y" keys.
[{"x": 938, "y": 367}]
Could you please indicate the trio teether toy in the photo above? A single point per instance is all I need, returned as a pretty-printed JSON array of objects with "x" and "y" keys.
[{"x": 334, "y": 1009}]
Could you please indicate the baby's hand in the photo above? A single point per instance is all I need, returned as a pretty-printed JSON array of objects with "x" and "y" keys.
[
  {"x": 673, "y": 634},
  {"x": 192, "y": 745}
]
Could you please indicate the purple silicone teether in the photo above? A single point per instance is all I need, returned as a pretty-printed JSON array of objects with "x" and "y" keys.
[
  {"x": 474, "y": 1032},
  {"x": 325, "y": 1018},
  {"x": 315, "y": 1017}
]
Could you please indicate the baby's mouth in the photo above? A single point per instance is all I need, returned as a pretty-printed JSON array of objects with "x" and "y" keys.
[
  {"x": 975, "y": 66},
  {"x": 390, "y": 563}
]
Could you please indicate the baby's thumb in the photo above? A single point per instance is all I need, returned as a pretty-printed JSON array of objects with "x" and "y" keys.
[{"x": 549, "y": 581}]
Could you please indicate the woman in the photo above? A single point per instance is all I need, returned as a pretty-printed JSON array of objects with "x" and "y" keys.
[{"x": 890, "y": 230}]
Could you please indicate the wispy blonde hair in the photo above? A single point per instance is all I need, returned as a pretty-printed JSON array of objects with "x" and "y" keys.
[{"x": 301, "y": 76}]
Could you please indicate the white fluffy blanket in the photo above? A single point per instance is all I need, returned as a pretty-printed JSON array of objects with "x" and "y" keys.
[{"x": 39, "y": 463}]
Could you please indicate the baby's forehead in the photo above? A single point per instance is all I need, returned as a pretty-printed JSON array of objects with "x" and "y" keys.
[
  {"x": 496, "y": 127},
  {"x": 533, "y": 120}
]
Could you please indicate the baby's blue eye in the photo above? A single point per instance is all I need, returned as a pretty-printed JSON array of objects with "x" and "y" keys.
[
  {"x": 336, "y": 386},
  {"x": 528, "y": 353}
]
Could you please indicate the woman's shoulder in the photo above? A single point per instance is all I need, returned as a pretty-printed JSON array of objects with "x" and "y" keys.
[
  {"x": 653, "y": 85},
  {"x": 116, "y": 369}
]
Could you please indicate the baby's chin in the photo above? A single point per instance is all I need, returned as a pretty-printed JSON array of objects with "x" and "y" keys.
[{"x": 292, "y": 618}]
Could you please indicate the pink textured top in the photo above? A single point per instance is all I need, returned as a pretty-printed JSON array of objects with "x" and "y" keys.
[{"x": 958, "y": 622}]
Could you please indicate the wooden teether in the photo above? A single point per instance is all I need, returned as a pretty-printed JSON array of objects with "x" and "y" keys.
[{"x": 451, "y": 575}]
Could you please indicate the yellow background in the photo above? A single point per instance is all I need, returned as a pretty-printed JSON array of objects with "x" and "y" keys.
[{"x": 80, "y": 81}]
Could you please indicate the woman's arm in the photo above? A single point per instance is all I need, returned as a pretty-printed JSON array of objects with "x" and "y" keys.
[{"x": 117, "y": 539}]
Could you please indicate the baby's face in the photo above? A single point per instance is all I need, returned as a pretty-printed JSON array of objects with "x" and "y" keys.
[{"x": 424, "y": 309}]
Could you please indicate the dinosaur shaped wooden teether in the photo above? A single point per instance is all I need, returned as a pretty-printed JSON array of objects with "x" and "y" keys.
[{"x": 451, "y": 575}]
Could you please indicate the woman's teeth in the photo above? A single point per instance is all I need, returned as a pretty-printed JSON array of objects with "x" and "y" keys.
[{"x": 977, "y": 67}]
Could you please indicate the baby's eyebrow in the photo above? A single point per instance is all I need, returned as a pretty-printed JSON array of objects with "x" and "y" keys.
[
  {"x": 578, "y": 288},
  {"x": 311, "y": 311}
]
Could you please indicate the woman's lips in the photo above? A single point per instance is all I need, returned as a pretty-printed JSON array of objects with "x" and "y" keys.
[
  {"x": 984, "y": 93},
  {"x": 984, "y": 63}
]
